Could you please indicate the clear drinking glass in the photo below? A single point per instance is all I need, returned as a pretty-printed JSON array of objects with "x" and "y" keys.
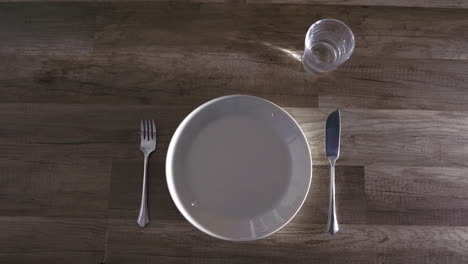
[{"x": 328, "y": 44}]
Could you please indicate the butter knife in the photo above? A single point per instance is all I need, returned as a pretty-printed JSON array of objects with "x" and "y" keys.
[{"x": 332, "y": 150}]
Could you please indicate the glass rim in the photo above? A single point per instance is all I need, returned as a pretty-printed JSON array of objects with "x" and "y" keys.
[{"x": 331, "y": 20}]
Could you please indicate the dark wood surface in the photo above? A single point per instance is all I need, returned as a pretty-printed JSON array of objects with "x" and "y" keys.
[{"x": 76, "y": 78}]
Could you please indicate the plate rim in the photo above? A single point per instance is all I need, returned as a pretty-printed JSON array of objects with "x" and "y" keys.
[{"x": 169, "y": 174}]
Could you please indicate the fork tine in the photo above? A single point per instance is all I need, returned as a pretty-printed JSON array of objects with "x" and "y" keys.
[
  {"x": 150, "y": 130},
  {"x": 146, "y": 130},
  {"x": 142, "y": 130},
  {"x": 154, "y": 129}
]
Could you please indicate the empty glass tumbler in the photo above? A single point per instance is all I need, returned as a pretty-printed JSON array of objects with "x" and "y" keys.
[{"x": 328, "y": 44}]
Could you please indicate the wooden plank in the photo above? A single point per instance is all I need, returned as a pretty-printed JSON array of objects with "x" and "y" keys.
[
  {"x": 75, "y": 125},
  {"x": 361, "y": 258},
  {"x": 416, "y": 195},
  {"x": 151, "y": 79},
  {"x": 414, "y": 3},
  {"x": 396, "y": 84},
  {"x": 54, "y": 239},
  {"x": 276, "y": 29},
  {"x": 360, "y": 83},
  {"x": 403, "y": 137},
  {"x": 47, "y": 188},
  {"x": 173, "y": 243},
  {"x": 139, "y": 59},
  {"x": 53, "y": 257},
  {"x": 37, "y": 28},
  {"x": 411, "y": 137},
  {"x": 154, "y": 53}
]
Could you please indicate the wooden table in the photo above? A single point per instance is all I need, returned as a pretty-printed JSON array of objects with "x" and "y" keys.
[{"x": 76, "y": 78}]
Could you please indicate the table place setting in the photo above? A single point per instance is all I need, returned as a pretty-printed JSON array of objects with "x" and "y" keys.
[
  {"x": 242, "y": 132},
  {"x": 239, "y": 167}
]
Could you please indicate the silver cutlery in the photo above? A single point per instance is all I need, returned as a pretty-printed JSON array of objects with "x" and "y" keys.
[
  {"x": 332, "y": 149},
  {"x": 147, "y": 146}
]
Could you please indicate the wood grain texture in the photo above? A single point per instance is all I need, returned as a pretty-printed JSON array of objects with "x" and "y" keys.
[
  {"x": 419, "y": 33},
  {"x": 352, "y": 199},
  {"x": 173, "y": 243},
  {"x": 415, "y": 195},
  {"x": 53, "y": 189},
  {"x": 403, "y": 137},
  {"x": 76, "y": 78},
  {"x": 140, "y": 55},
  {"x": 39, "y": 239},
  {"x": 415, "y": 3},
  {"x": 56, "y": 28},
  {"x": 398, "y": 84},
  {"x": 55, "y": 257}
]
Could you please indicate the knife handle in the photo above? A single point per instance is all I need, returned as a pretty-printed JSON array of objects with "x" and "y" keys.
[{"x": 332, "y": 221}]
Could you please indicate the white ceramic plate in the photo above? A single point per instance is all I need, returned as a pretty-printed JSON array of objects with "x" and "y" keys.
[{"x": 238, "y": 168}]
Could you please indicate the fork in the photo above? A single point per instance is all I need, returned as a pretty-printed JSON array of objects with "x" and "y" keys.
[{"x": 147, "y": 146}]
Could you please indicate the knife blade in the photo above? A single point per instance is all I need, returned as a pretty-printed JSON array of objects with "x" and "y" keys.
[
  {"x": 332, "y": 150},
  {"x": 333, "y": 133}
]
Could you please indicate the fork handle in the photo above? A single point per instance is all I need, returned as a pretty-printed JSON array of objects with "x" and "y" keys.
[
  {"x": 332, "y": 227},
  {"x": 143, "y": 218}
]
